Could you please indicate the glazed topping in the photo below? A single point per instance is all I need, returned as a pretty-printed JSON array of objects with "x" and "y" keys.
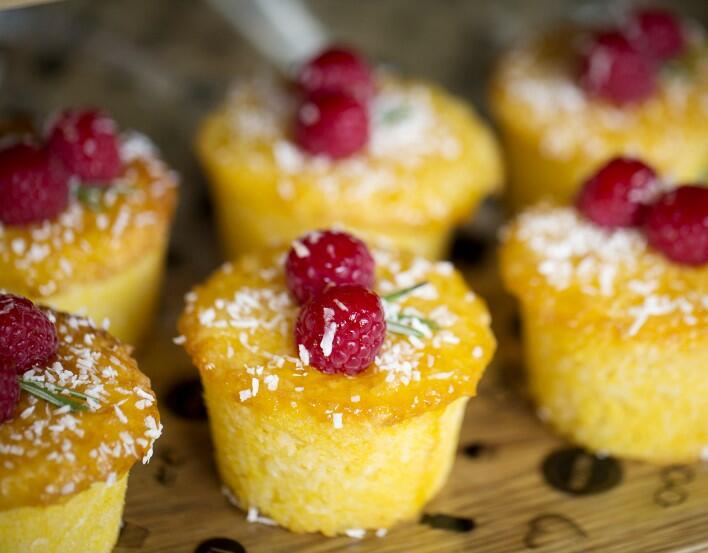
[
  {"x": 101, "y": 230},
  {"x": 614, "y": 69},
  {"x": 86, "y": 142},
  {"x": 48, "y": 452},
  {"x": 341, "y": 330},
  {"x": 328, "y": 257},
  {"x": 554, "y": 256},
  {"x": 677, "y": 225},
  {"x": 334, "y": 124},
  {"x": 9, "y": 394},
  {"x": 27, "y": 337},
  {"x": 337, "y": 69},
  {"x": 33, "y": 188},
  {"x": 615, "y": 196},
  {"x": 658, "y": 33},
  {"x": 239, "y": 328}
]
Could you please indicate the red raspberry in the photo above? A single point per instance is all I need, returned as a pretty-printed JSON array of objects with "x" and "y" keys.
[
  {"x": 27, "y": 337},
  {"x": 333, "y": 124},
  {"x": 613, "y": 69},
  {"x": 341, "y": 330},
  {"x": 615, "y": 196},
  {"x": 324, "y": 258},
  {"x": 9, "y": 394},
  {"x": 657, "y": 33},
  {"x": 86, "y": 142},
  {"x": 677, "y": 225},
  {"x": 33, "y": 187},
  {"x": 337, "y": 70}
]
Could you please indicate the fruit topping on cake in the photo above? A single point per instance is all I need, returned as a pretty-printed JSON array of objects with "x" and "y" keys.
[
  {"x": 337, "y": 69},
  {"x": 677, "y": 225},
  {"x": 621, "y": 65},
  {"x": 627, "y": 193},
  {"x": 81, "y": 158},
  {"x": 343, "y": 323},
  {"x": 86, "y": 142},
  {"x": 333, "y": 117},
  {"x": 28, "y": 340},
  {"x": 324, "y": 258},
  {"x": 341, "y": 330},
  {"x": 33, "y": 187},
  {"x": 615, "y": 196}
]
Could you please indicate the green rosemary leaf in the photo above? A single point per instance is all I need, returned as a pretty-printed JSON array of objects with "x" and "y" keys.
[
  {"x": 394, "y": 115},
  {"x": 90, "y": 196},
  {"x": 401, "y": 293},
  {"x": 39, "y": 391},
  {"x": 73, "y": 393},
  {"x": 399, "y": 328},
  {"x": 432, "y": 325}
]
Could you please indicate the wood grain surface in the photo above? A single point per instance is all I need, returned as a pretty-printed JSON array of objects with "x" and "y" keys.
[{"x": 158, "y": 66}]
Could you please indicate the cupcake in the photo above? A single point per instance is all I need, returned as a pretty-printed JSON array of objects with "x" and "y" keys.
[
  {"x": 571, "y": 99},
  {"x": 398, "y": 161},
  {"x": 75, "y": 415},
  {"x": 614, "y": 304},
  {"x": 84, "y": 220},
  {"x": 342, "y": 415}
]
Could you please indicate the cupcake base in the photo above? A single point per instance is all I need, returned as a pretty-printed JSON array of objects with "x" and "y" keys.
[
  {"x": 626, "y": 396},
  {"x": 88, "y": 522},
  {"x": 309, "y": 476},
  {"x": 127, "y": 299},
  {"x": 245, "y": 230}
]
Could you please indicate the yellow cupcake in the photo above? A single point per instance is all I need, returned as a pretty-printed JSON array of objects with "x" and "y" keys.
[
  {"x": 616, "y": 336},
  {"x": 63, "y": 473},
  {"x": 554, "y": 134},
  {"x": 331, "y": 453},
  {"x": 428, "y": 163},
  {"x": 103, "y": 256}
]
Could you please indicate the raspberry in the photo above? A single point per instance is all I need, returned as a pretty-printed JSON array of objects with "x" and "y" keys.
[
  {"x": 613, "y": 69},
  {"x": 615, "y": 196},
  {"x": 332, "y": 124},
  {"x": 9, "y": 394},
  {"x": 323, "y": 258},
  {"x": 341, "y": 330},
  {"x": 657, "y": 33},
  {"x": 677, "y": 225},
  {"x": 337, "y": 70},
  {"x": 33, "y": 187},
  {"x": 86, "y": 143},
  {"x": 27, "y": 337}
]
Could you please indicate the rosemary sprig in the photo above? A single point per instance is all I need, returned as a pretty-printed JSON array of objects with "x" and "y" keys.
[
  {"x": 51, "y": 393},
  {"x": 393, "y": 296},
  {"x": 404, "y": 330},
  {"x": 397, "y": 325},
  {"x": 394, "y": 115}
]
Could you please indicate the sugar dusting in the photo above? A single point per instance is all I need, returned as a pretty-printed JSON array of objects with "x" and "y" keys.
[
  {"x": 616, "y": 267},
  {"x": 239, "y": 315},
  {"x": 46, "y": 257},
  {"x": 122, "y": 408},
  {"x": 406, "y": 132}
]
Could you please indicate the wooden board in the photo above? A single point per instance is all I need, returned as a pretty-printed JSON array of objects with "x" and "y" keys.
[{"x": 140, "y": 61}]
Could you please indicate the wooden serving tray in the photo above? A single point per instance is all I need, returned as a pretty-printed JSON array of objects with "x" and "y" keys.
[{"x": 515, "y": 486}]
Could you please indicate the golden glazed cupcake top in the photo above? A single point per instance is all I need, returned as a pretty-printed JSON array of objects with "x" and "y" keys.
[
  {"x": 571, "y": 86},
  {"x": 96, "y": 229},
  {"x": 48, "y": 453},
  {"x": 239, "y": 328},
  {"x": 415, "y": 131},
  {"x": 557, "y": 260}
]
